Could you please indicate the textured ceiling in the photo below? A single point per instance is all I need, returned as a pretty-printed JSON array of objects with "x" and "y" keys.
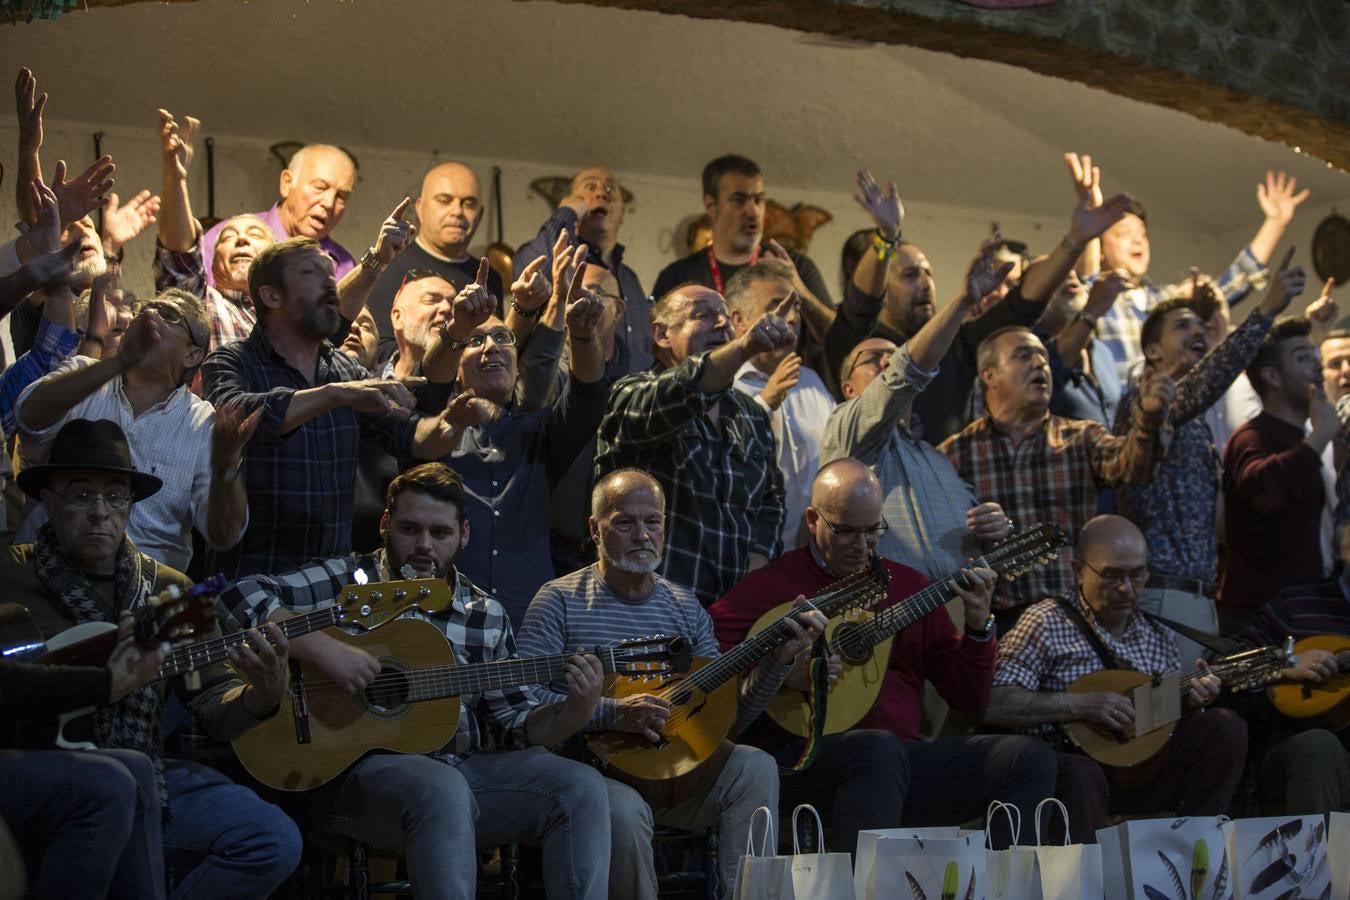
[{"x": 642, "y": 92}]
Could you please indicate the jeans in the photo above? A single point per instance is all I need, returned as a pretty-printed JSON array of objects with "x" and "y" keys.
[
  {"x": 221, "y": 840},
  {"x": 748, "y": 781},
  {"x": 87, "y": 821},
  {"x": 1309, "y": 772},
  {"x": 438, "y": 813}
]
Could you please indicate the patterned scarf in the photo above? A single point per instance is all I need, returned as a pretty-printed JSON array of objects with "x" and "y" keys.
[{"x": 136, "y": 722}]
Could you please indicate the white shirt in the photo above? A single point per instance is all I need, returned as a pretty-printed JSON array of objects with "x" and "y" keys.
[
  {"x": 798, "y": 426},
  {"x": 171, "y": 440}
]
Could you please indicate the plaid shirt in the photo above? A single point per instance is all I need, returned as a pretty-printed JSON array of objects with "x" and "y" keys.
[
  {"x": 1046, "y": 651},
  {"x": 1053, "y": 476},
  {"x": 1175, "y": 509},
  {"x": 300, "y": 483},
  {"x": 924, "y": 499},
  {"x": 724, "y": 493},
  {"x": 474, "y": 623},
  {"x": 54, "y": 344},
  {"x": 228, "y": 313},
  {"x": 1119, "y": 328}
]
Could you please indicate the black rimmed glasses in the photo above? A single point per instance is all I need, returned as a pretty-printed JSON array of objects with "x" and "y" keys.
[{"x": 872, "y": 532}]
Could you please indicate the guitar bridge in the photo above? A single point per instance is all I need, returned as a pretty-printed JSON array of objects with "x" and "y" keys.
[{"x": 299, "y": 704}]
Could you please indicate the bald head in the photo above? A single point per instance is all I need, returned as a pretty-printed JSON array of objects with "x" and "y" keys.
[
  {"x": 1111, "y": 562},
  {"x": 610, "y": 490},
  {"x": 315, "y": 188},
  {"x": 845, "y": 484},
  {"x": 449, "y": 209},
  {"x": 1106, "y": 536},
  {"x": 844, "y": 518}
]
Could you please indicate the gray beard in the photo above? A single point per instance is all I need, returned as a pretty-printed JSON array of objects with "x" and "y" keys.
[
  {"x": 84, "y": 273},
  {"x": 633, "y": 568}
]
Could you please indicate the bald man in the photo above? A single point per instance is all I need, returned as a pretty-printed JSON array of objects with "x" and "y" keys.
[
  {"x": 880, "y": 773},
  {"x": 449, "y": 211},
  {"x": 592, "y": 212},
  {"x": 1097, "y": 625},
  {"x": 314, "y": 189}
]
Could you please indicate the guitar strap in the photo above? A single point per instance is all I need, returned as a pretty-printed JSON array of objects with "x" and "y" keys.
[
  {"x": 1220, "y": 645},
  {"x": 817, "y": 699},
  {"x": 1109, "y": 659}
]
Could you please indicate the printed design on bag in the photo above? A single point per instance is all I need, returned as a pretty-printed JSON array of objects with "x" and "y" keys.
[
  {"x": 1199, "y": 874},
  {"x": 1288, "y": 862}
]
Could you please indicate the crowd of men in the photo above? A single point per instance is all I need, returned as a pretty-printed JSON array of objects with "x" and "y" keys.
[{"x": 584, "y": 461}]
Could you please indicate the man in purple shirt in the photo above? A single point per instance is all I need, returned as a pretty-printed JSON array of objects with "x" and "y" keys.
[{"x": 314, "y": 190}]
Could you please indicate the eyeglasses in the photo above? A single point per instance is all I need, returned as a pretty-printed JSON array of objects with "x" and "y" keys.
[
  {"x": 174, "y": 316},
  {"x": 1139, "y": 576},
  {"x": 115, "y": 500},
  {"x": 500, "y": 338},
  {"x": 870, "y": 357},
  {"x": 847, "y": 531}
]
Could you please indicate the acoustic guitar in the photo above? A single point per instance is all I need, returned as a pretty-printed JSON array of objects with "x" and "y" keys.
[
  {"x": 703, "y": 702},
  {"x": 90, "y": 643},
  {"x": 411, "y": 706},
  {"x": 862, "y": 640},
  {"x": 1304, "y": 701},
  {"x": 1243, "y": 671}
]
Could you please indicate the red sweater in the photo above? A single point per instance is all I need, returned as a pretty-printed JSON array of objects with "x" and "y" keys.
[{"x": 962, "y": 669}]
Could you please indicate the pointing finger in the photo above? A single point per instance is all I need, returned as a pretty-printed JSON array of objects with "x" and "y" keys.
[
  {"x": 482, "y": 276},
  {"x": 400, "y": 209},
  {"x": 574, "y": 289}
]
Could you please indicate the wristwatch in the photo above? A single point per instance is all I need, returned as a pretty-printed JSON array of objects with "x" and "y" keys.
[
  {"x": 1088, "y": 318},
  {"x": 371, "y": 260},
  {"x": 984, "y": 632}
]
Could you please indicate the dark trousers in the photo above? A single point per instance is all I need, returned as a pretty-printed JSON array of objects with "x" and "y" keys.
[
  {"x": 87, "y": 821},
  {"x": 871, "y": 779},
  {"x": 1200, "y": 770}
]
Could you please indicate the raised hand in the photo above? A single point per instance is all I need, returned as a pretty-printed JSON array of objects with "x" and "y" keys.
[
  {"x": 532, "y": 289},
  {"x": 29, "y": 105},
  {"x": 783, "y": 379},
  {"x": 123, "y": 222},
  {"x": 584, "y": 308},
  {"x": 1323, "y": 313},
  {"x": 772, "y": 332},
  {"x": 1090, "y": 221},
  {"x": 176, "y": 142},
  {"x": 230, "y": 433},
  {"x": 44, "y": 236},
  {"x": 473, "y": 305},
  {"x": 1286, "y": 284},
  {"x": 396, "y": 233},
  {"x": 1155, "y": 392},
  {"x": 85, "y": 192},
  {"x": 1277, "y": 199},
  {"x": 885, "y": 207},
  {"x": 1087, "y": 178},
  {"x": 1322, "y": 417},
  {"x": 1103, "y": 293},
  {"x": 984, "y": 275}
]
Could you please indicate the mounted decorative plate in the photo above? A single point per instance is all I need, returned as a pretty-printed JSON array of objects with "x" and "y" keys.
[{"x": 1331, "y": 248}]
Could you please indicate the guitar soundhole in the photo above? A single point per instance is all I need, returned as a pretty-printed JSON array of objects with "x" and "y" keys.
[
  {"x": 389, "y": 693},
  {"x": 847, "y": 647}
]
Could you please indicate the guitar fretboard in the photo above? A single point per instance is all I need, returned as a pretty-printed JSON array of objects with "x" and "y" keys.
[
  {"x": 435, "y": 682},
  {"x": 205, "y": 653}
]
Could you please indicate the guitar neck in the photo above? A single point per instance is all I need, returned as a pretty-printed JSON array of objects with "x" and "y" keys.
[
  {"x": 213, "y": 650},
  {"x": 894, "y": 619},
  {"x": 436, "y": 682}
]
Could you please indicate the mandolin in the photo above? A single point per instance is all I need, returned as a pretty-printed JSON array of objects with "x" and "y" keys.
[
  {"x": 862, "y": 640},
  {"x": 1304, "y": 701},
  {"x": 1157, "y": 702},
  {"x": 411, "y": 706},
  {"x": 365, "y": 606},
  {"x": 703, "y": 702}
]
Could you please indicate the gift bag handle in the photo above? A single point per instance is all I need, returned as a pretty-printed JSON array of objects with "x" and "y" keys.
[
  {"x": 1014, "y": 820},
  {"x": 1062, "y": 810},
  {"x": 820, "y": 830},
  {"x": 768, "y": 833}
]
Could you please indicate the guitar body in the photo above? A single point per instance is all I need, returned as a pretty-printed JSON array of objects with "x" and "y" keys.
[
  {"x": 1304, "y": 701},
  {"x": 851, "y": 698},
  {"x": 695, "y": 733},
  {"x": 1105, "y": 745},
  {"x": 343, "y": 727}
]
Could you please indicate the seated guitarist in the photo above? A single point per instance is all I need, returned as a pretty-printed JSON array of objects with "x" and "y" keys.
[
  {"x": 880, "y": 774},
  {"x": 1099, "y": 627},
  {"x": 493, "y": 782},
  {"x": 221, "y": 839},
  {"x": 619, "y": 597},
  {"x": 1304, "y": 763}
]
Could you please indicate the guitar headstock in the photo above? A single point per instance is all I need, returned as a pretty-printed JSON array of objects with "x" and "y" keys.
[
  {"x": 1253, "y": 669},
  {"x": 176, "y": 615},
  {"x": 1029, "y": 549},
  {"x": 863, "y": 589},
  {"x": 646, "y": 657},
  {"x": 371, "y": 605}
]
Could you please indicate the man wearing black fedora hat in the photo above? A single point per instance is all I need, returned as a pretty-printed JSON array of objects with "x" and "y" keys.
[{"x": 83, "y": 568}]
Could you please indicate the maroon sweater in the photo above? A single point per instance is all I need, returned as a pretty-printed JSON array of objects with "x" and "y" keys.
[
  {"x": 961, "y": 668},
  {"x": 1273, "y": 497}
]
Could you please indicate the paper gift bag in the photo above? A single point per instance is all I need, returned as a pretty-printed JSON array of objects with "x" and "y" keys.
[
  {"x": 1277, "y": 857},
  {"x": 1165, "y": 859},
  {"x": 1010, "y": 874},
  {"x": 820, "y": 875},
  {"x": 1068, "y": 871},
  {"x": 761, "y": 875},
  {"x": 914, "y": 865},
  {"x": 1338, "y": 850}
]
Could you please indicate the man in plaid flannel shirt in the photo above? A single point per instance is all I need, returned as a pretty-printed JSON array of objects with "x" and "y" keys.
[
  {"x": 1199, "y": 769},
  {"x": 492, "y": 782},
  {"x": 710, "y": 447},
  {"x": 1043, "y": 468}
]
